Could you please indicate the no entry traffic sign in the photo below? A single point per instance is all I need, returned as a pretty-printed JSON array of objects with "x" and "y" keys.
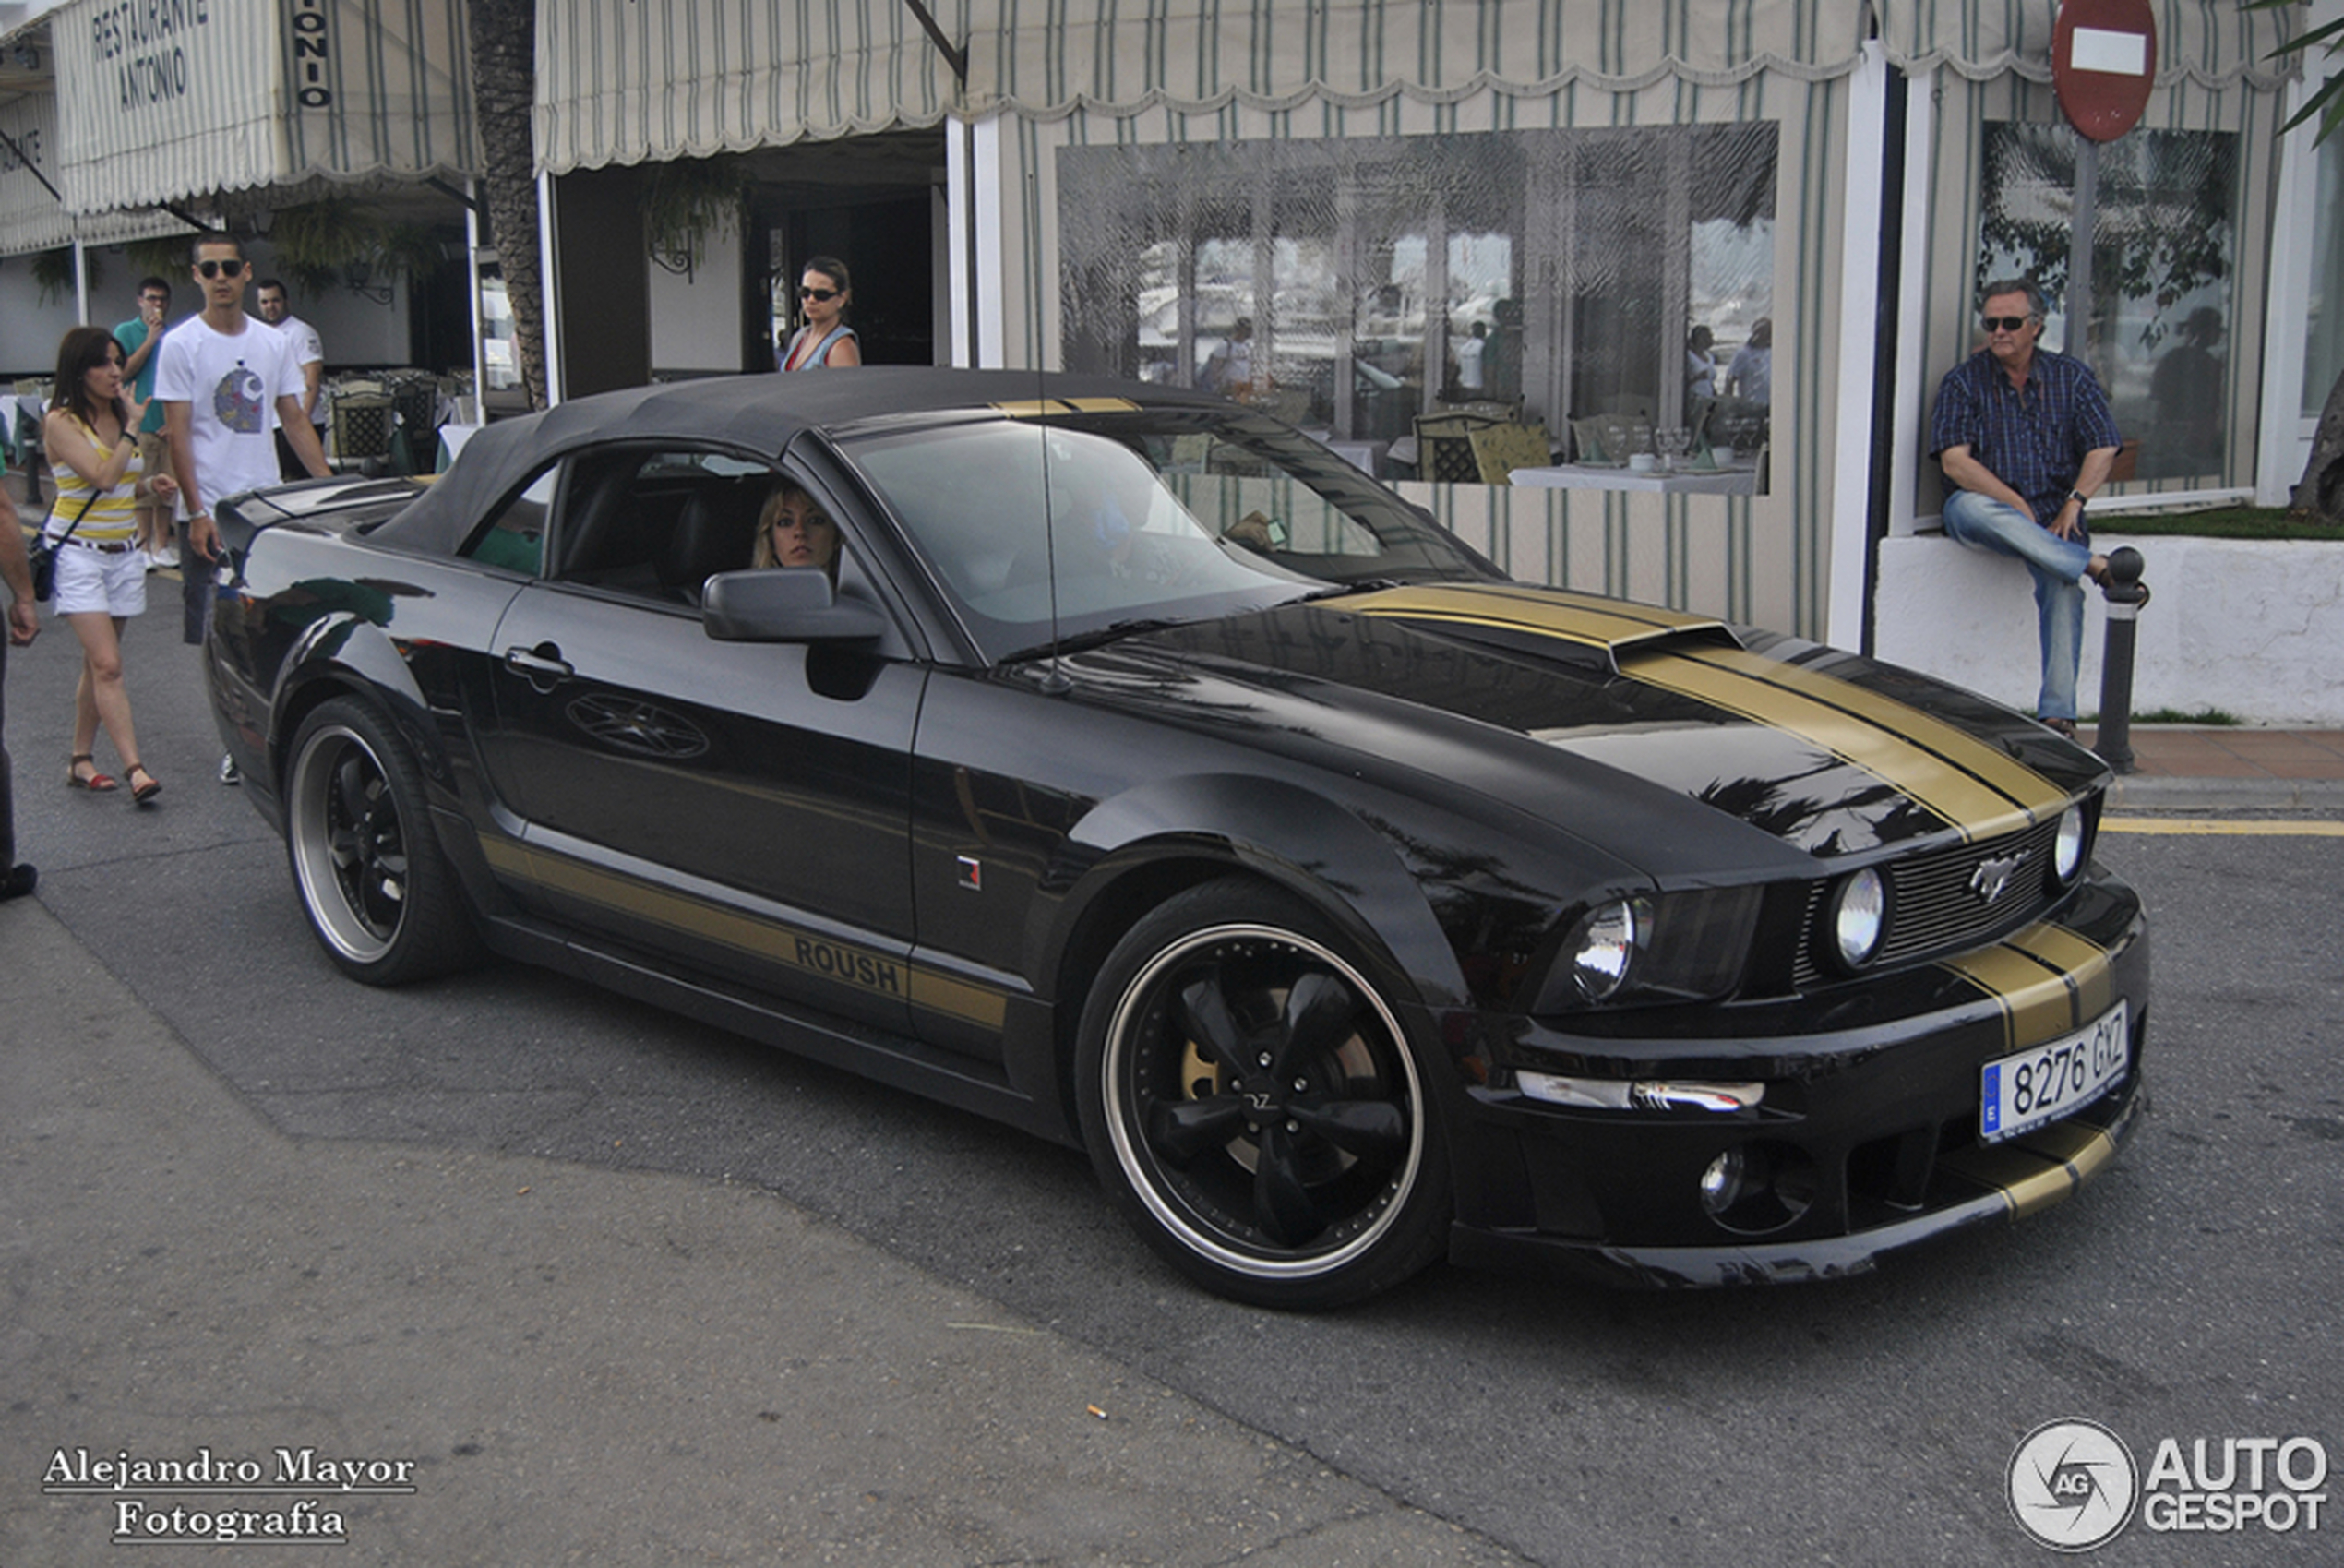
[{"x": 2104, "y": 64}]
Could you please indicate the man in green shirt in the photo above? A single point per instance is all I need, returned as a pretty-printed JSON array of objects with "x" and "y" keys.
[{"x": 142, "y": 340}]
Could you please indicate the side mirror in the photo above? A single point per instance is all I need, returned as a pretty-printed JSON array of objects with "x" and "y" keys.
[{"x": 785, "y": 604}]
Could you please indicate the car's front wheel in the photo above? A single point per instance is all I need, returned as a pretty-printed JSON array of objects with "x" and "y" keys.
[
  {"x": 1254, "y": 1102},
  {"x": 378, "y": 891}
]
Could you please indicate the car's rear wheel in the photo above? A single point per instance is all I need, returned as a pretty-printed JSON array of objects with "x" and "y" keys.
[
  {"x": 1254, "y": 1102},
  {"x": 373, "y": 880}
]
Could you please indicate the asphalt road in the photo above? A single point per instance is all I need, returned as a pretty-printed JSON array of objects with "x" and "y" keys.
[{"x": 2190, "y": 1293}]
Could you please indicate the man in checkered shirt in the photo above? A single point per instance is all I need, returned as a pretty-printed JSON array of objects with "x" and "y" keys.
[{"x": 2026, "y": 440}]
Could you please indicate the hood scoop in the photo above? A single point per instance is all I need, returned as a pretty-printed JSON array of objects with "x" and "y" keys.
[{"x": 1593, "y": 635}]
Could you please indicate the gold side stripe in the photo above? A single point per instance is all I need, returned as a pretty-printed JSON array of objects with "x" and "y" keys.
[
  {"x": 1990, "y": 764},
  {"x": 1975, "y": 810},
  {"x": 1594, "y": 623},
  {"x": 858, "y": 968},
  {"x": 958, "y": 998},
  {"x": 1043, "y": 408}
]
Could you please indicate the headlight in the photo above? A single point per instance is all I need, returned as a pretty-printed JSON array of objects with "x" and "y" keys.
[
  {"x": 1858, "y": 916},
  {"x": 1601, "y": 948},
  {"x": 2067, "y": 852},
  {"x": 1655, "y": 947}
]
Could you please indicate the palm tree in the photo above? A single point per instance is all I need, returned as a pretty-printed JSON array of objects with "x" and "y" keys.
[
  {"x": 504, "y": 46},
  {"x": 2319, "y": 494}
]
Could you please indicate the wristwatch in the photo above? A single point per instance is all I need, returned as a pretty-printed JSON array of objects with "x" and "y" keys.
[{"x": 2080, "y": 499}]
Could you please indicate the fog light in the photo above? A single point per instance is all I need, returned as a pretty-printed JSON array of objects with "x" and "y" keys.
[
  {"x": 1755, "y": 1188},
  {"x": 1721, "y": 1184}
]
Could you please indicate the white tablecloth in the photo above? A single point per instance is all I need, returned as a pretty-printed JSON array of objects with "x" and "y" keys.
[{"x": 1684, "y": 482}]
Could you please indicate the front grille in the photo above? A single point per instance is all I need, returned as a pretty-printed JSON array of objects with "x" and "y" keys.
[{"x": 1933, "y": 907}]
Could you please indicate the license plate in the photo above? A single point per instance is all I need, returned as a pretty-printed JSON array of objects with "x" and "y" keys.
[{"x": 2020, "y": 1092}]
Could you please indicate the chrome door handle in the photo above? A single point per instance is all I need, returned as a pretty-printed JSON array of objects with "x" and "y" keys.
[{"x": 544, "y": 664}]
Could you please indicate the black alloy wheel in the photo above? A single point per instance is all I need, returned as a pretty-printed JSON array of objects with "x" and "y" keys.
[
  {"x": 1254, "y": 1103},
  {"x": 373, "y": 880}
]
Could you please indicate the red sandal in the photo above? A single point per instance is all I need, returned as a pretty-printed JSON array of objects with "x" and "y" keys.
[{"x": 97, "y": 782}]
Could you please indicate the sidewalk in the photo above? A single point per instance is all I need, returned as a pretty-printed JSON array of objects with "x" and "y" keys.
[
  {"x": 539, "y": 1362},
  {"x": 2189, "y": 770}
]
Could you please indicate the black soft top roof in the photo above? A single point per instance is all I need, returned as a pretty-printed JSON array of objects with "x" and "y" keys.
[{"x": 760, "y": 413}]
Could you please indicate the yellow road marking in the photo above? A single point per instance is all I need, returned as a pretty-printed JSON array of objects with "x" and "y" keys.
[{"x": 2185, "y": 826}]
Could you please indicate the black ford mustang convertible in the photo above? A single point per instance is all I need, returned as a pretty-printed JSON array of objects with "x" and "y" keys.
[{"x": 1134, "y": 771}]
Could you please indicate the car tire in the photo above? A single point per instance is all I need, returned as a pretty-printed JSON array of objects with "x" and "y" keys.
[
  {"x": 373, "y": 880},
  {"x": 1252, "y": 1099}
]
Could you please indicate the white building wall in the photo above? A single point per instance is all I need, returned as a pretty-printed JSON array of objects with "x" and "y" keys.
[
  {"x": 29, "y": 327},
  {"x": 2253, "y": 628},
  {"x": 695, "y": 320}
]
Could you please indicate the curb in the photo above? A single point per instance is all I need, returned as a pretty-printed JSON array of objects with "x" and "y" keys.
[{"x": 2135, "y": 792}]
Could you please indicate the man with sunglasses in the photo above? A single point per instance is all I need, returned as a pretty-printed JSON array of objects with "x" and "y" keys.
[
  {"x": 221, "y": 373},
  {"x": 2026, "y": 440}
]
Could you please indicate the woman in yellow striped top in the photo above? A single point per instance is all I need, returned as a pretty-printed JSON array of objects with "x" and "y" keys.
[{"x": 93, "y": 436}]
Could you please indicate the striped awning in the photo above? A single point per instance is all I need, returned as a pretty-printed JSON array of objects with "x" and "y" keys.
[
  {"x": 623, "y": 81},
  {"x": 2214, "y": 44},
  {"x": 170, "y": 100},
  {"x": 33, "y": 217},
  {"x": 630, "y": 81}
]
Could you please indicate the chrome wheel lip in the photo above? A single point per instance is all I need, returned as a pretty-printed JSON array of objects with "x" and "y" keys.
[
  {"x": 310, "y": 832},
  {"x": 1138, "y": 1165}
]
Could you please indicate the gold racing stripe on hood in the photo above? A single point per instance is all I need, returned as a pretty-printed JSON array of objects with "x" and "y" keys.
[
  {"x": 1573, "y": 617},
  {"x": 1043, "y": 408},
  {"x": 1977, "y": 787},
  {"x": 2046, "y": 979}
]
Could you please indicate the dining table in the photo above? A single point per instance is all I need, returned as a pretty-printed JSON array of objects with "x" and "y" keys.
[{"x": 1726, "y": 479}]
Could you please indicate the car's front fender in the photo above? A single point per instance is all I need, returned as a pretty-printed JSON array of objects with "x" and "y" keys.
[{"x": 1273, "y": 828}]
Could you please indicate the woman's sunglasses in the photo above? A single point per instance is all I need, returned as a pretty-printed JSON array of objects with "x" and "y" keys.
[
  {"x": 221, "y": 269},
  {"x": 817, "y": 293}
]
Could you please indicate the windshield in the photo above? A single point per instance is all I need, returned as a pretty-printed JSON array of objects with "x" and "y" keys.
[{"x": 1137, "y": 516}]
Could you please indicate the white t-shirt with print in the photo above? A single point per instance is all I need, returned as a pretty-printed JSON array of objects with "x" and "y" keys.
[{"x": 231, "y": 385}]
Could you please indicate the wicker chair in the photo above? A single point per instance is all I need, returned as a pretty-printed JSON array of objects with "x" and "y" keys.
[
  {"x": 362, "y": 426},
  {"x": 1444, "y": 446},
  {"x": 1499, "y": 450}
]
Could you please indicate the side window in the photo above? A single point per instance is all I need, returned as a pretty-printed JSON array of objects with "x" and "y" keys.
[
  {"x": 658, "y": 523},
  {"x": 516, "y": 540}
]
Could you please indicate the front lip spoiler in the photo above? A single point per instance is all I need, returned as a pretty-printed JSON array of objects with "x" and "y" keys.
[{"x": 2024, "y": 1177}]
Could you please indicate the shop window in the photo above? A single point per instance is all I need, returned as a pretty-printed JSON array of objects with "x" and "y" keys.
[
  {"x": 1354, "y": 285},
  {"x": 2163, "y": 252},
  {"x": 2324, "y": 347}
]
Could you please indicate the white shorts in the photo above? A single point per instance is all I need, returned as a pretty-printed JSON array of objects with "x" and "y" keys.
[{"x": 97, "y": 579}]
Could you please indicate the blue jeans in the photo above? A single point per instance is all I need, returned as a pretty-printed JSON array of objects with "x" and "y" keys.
[
  {"x": 197, "y": 589},
  {"x": 2057, "y": 566}
]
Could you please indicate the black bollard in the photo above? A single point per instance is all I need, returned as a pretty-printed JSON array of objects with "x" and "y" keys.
[{"x": 2125, "y": 594}]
